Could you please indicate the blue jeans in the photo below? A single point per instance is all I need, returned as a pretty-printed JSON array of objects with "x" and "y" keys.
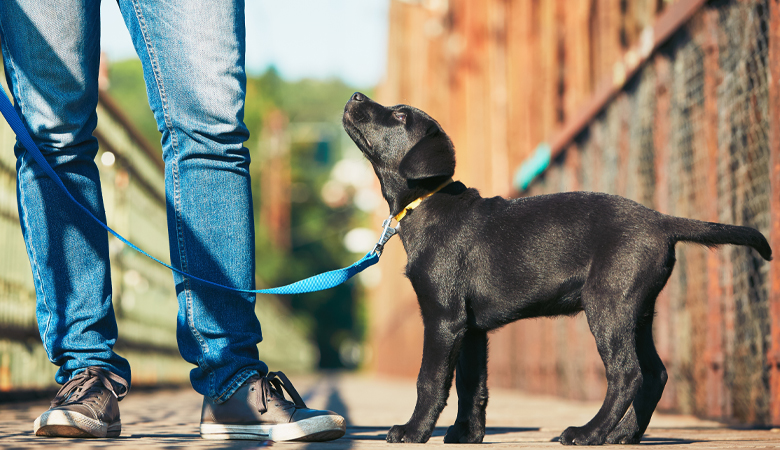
[{"x": 192, "y": 54}]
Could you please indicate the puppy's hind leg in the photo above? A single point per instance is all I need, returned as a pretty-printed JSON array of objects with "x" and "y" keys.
[
  {"x": 634, "y": 423},
  {"x": 612, "y": 321},
  {"x": 471, "y": 382}
]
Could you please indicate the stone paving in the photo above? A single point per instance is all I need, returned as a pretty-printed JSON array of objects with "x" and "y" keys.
[{"x": 169, "y": 419}]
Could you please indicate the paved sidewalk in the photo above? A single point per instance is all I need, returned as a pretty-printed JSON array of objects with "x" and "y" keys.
[{"x": 169, "y": 419}]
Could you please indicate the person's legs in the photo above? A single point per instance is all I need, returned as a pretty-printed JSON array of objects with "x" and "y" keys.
[
  {"x": 193, "y": 59},
  {"x": 51, "y": 55}
]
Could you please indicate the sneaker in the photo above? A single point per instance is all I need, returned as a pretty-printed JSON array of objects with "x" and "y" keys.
[
  {"x": 259, "y": 411},
  {"x": 85, "y": 407}
]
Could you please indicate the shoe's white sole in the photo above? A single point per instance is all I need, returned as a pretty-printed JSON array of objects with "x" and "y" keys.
[
  {"x": 63, "y": 423},
  {"x": 318, "y": 428}
]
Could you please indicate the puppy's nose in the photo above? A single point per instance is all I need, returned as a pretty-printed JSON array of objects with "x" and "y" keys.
[{"x": 358, "y": 97}]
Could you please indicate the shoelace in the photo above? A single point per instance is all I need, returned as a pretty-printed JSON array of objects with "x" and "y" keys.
[
  {"x": 273, "y": 386},
  {"x": 91, "y": 379}
]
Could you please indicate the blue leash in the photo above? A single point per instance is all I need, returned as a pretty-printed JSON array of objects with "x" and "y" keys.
[{"x": 319, "y": 282}]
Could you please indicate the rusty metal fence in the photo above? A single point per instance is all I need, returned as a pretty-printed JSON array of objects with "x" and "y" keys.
[{"x": 689, "y": 136}]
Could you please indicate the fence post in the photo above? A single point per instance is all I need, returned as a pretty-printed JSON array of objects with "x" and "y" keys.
[
  {"x": 662, "y": 325},
  {"x": 714, "y": 351},
  {"x": 773, "y": 356}
]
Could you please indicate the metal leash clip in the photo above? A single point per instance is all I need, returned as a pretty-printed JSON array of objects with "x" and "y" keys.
[{"x": 387, "y": 233}]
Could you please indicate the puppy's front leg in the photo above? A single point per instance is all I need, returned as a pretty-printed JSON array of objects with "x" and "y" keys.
[
  {"x": 441, "y": 345},
  {"x": 471, "y": 382}
]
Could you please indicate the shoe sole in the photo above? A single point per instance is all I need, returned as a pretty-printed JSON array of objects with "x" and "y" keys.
[
  {"x": 61, "y": 423},
  {"x": 313, "y": 429}
]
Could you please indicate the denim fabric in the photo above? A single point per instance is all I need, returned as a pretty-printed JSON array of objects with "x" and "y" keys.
[{"x": 193, "y": 59}]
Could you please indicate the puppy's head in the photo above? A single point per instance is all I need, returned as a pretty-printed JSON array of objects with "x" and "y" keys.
[{"x": 410, "y": 152}]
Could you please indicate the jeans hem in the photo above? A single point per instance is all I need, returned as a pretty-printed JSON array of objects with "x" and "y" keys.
[{"x": 235, "y": 385}]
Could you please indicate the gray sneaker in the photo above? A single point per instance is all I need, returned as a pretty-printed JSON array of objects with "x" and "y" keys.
[
  {"x": 259, "y": 411},
  {"x": 87, "y": 406}
]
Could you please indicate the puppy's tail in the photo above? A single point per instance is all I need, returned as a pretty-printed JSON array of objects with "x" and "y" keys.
[{"x": 713, "y": 234}]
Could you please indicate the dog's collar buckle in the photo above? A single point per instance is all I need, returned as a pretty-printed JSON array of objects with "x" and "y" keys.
[{"x": 387, "y": 233}]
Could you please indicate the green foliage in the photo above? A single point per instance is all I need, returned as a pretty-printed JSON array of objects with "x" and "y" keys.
[
  {"x": 305, "y": 100},
  {"x": 316, "y": 229},
  {"x": 128, "y": 89}
]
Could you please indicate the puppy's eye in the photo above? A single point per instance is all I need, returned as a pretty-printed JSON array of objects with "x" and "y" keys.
[{"x": 400, "y": 116}]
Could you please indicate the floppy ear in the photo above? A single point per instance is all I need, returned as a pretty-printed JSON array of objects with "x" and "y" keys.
[{"x": 433, "y": 156}]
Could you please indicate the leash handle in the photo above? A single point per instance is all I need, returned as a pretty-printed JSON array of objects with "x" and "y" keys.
[{"x": 319, "y": 282}]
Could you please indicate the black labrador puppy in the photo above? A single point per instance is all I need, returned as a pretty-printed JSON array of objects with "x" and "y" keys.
[{"x": 479, "y": 263}]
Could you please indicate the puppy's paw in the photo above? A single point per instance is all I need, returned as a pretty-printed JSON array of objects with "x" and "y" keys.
[
  {"x": 621, "y": 436},
  {"x": 396, "y": 434},
  {"x": 627, "y": 431},
  {"x": 462, "y": 433},
  {"x": 406, "y": 434},
  {"x": 581, "y": 436}
]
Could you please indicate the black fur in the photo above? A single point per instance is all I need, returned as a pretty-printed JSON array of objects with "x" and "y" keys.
[{"x": 479, "y": 263}]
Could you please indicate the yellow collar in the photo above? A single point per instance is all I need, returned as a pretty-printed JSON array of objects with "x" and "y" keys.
[{"x": 417, "y": 202}]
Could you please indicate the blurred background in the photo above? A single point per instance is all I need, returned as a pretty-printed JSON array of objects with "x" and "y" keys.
[{"x": 670, "y": 103}]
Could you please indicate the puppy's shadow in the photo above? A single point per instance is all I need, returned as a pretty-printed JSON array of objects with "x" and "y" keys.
[
  {"x": 668, "y": 441},
  {"x": 505, "y": 430},
  {"x": 380, "y": 433},
  {"x": 655, "y": 441}
]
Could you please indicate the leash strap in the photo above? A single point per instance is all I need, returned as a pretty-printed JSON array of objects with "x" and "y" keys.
[{"x": 319, "y": 282}]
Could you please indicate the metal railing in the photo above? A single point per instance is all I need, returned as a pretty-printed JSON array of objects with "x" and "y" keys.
[{"x": 144, "y": 297}]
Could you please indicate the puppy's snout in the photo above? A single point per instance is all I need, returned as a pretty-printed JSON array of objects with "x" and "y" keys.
[{"x": 358, "y": 97}]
